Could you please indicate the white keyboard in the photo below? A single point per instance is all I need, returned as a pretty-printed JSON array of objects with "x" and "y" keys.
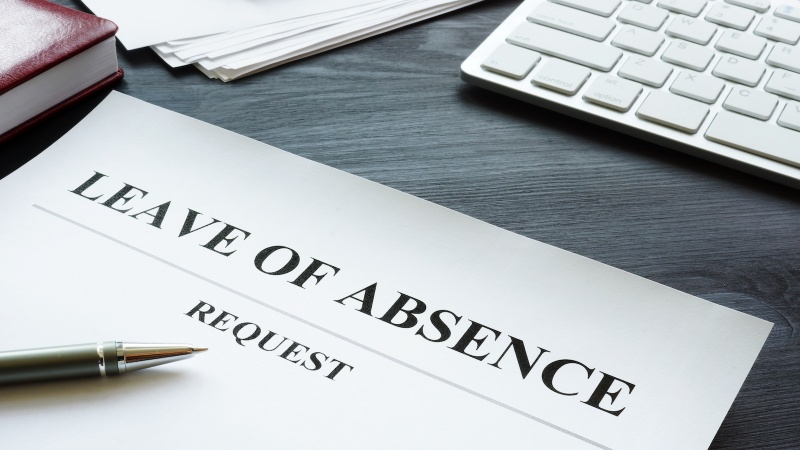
[{"x": 719, "y": 79}]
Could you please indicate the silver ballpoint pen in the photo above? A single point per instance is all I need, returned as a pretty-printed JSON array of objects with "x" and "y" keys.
[{"x": 97, "y": 359}]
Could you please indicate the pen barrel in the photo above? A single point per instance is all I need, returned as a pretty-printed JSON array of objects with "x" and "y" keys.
[{"x": 82, "y": 360}]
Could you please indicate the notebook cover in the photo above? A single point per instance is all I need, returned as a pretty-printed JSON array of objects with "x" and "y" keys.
[{"x": 38, "y": 35}]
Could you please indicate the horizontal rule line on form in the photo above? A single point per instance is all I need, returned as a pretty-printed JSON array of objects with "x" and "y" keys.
[{"x": 324, "y": 330}]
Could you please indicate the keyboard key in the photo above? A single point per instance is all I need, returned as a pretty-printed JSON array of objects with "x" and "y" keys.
[
  {"x": 688, "y": 55},
  {"x": 694, "y": 30},
  {"x": 785, "y": 57},
  {"x": 742, "y": 44},
  {"x": 511, "y": 61},
  {"x": 673, "y": 111},
  {"x": 561, "y": 76},
  {"x": 572, "y": 21},
  {"x": 785, "y": 84},
  {"x": 751, "y": 102},
  {"x": 740, "y": 70},
  {"x": 790, "y": 117},
  {"x": 600, "y": 7},
  {"x": 613, "y": 92},
  {"x": 647, "y": 71},
  {"x": 643, "y": 16},
  {"x": 757, "y": 137},
  {"x": 689, "y": 7},
  {"x": 566, "y": 46},
  {"x": 730, "y": 16},
  {"x": 778, "y": 30},
  {"x": 756, "y": 5},
  {"x": 698, "y": 86},
  {"x": 788, "y": 12},
  {"x": 638, "y": 40}
]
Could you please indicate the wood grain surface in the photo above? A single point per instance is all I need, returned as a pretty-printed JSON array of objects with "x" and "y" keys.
[{"x": 393, "y": 109}]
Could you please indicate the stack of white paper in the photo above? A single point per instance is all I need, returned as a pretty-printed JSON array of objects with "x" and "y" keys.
[{"x": 228, "y": 39}]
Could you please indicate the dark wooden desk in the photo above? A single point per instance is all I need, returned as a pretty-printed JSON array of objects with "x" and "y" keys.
[{"x": 392, "y": 109}]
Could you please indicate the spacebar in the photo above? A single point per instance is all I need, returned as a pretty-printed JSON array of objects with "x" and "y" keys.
[{"x": 757, "y": 137}]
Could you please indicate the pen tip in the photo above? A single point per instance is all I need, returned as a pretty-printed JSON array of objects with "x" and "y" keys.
[{"x": 199, "y": 349}]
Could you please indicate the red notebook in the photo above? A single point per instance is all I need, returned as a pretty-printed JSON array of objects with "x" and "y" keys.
[{"x": 50, "y": 57}]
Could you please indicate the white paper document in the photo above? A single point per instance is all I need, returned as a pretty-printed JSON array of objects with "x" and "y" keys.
[
  {"x": 338, "y": 313},
  {"x": 148, "y": 22},
  {"x": 229, "y": 39}
]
